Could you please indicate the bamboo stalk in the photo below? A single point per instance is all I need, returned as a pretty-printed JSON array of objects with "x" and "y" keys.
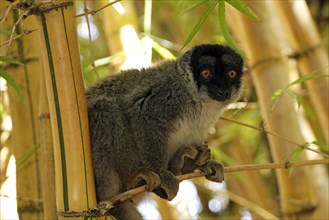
[
  {"x": 311, "y": 54},
  {"x": 271, "y": 72},
  {"x": 47, "y": 154},
  {"x": 24, "y": 115},
  {"x": 75, "y": 190}
]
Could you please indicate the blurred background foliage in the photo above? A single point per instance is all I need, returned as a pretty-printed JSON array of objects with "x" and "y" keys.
[{"x": 135, "y": 34}]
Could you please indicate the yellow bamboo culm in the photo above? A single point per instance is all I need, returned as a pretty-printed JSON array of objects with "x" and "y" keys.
[
  {"x": 305, "y": 40},
  {"x": 24, "y": 115},
  {"x": 47, "y": 155},
  {"x": 75, "y": 190},
  {"x": 270, "y": 72}
]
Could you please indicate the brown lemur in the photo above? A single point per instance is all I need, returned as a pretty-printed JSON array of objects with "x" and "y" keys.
[{"x": 149, "y": 125}]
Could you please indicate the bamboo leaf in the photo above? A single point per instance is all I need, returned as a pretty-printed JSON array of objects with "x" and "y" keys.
[
  {"x": 12, "y": 83},
  {"x": 194, "y": 5},
  {"x": 296, "y": 96},
  {"x": 2, "y": 111},
  {"x": 164, "y": 52},
  {"x": 277, "y": 94},
  {"x": 20, "y": 161},
  {"x": 239, "y": 5},
  {"x": 294, "y": 156},
  {"x": 11, "y": 60},
  {"x": 307, "y": 77},
  {"x": 302, "y": 79},
  {"x": 321, "y": 145},
  {"x": 224, "y": 28},
  {"x": 5, "y": 32},
  {"x": 200, "y": 23}
]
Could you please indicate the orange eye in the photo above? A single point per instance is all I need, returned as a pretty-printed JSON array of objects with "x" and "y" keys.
[
  {"x": 232, "y": 74},
  {"x": 206, "y": 74}
]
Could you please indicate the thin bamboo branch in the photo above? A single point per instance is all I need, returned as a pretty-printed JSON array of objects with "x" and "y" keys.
[
  {"x": 23, "y": 16},
  {"x": 250, "y": 205},
  {"x": 304, "y": 146},
  {"x": 93, "y": 12},
  {"x": 25, "y": 32},
  {"x": 9, "y": 7},
  {"x": 92, "y": 54}
]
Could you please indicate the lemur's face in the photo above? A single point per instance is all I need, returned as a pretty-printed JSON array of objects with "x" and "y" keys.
[{"x": 218, "y": 69}]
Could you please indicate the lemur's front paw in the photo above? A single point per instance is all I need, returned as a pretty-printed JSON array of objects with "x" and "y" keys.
[
  {"x": 169, "y": 186},
  {"x": 144, "y": 177},
  {"x": 214, "y": 171},
  {"x": 204, "y": 155},
  {"x": 178, "y": 162}
]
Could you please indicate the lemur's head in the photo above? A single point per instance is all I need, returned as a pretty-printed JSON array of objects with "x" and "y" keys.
[{"x": 217, "y": 70}]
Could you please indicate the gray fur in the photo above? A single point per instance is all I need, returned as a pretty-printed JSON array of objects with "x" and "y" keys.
[{"x": 140, "y": 120}]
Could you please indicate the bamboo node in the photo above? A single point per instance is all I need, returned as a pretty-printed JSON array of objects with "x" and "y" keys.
[
  {"x": 30, "y": 208},
  {"x": 265, "y": 61},
  {"x": 44, "y": 116},
  {"x": 53, "y": 6},
  {"x": 94, "y": 212},
  {"x": 298, "y": 54},
  {"x": 306, "y": 208},
  {"x": 295, "y": 55},
  {"x": 287, "y": 165}
]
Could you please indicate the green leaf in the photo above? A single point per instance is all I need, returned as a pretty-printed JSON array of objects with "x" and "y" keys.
[
  {"x": 200, "y": 23},
  {"x": 20, "y": 161},
  {"x": 164, "y": 52},
  {"x": 302, "y": 79},
  {"x": 13, "y": 83},
  {"x": 296, "y": 96},
  {"x": 5, "y": 32},
  {"x": 307, "y": 77},
  {"x": 294, "y": 156},
  {"x": 224, "y": 28},
  {"x": 239, "y": 5},
  {"x": 277, "y": 94},
  {"x": 321, "y": 145},
  {"x": 11, "y": 60},
  {"x": 194, "y": 5},
  {"x": 2, "y": 111},
  {"x": 312, "y": 75}
]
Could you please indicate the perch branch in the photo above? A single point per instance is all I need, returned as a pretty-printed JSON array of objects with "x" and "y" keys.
[
  {"x": 105, "y": 206},
  {"x": 133, "y": 192}
]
